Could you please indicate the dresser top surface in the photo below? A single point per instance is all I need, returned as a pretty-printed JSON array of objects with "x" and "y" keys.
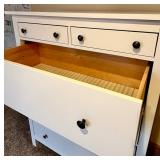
[{"x": 92, "y": 15}]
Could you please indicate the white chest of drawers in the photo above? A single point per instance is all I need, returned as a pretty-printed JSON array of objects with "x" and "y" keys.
[{"x": 84, "y": 77}]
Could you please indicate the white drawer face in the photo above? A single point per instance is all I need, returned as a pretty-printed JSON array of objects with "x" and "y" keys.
[
  {"x": 58, "y": 104},
  {"x": 118, "y": 41},
  {"x": 51, "y": 33},
  {"x": 58, "y": 143},
  {"x": 58, "y": 98}
]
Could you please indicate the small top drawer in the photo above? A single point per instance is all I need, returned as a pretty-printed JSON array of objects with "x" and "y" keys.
[
  {"x": 114, "y": 40},
  {"x": 51, "y": 33}
]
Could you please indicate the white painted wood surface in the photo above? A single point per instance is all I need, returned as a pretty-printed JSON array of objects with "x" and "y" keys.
[
  {"x": 151, "y": 104},
  {"x": 32, "y": 132},
  {"x": 92, "y": 24},
  {"x": 44, "y": 32},
  {"x": 97, "y": 15},
  {"x": 58, "y": 102},
  {"x": 119, "y": 41},
  {"x": 58, "y": 143},
  {"x": 16, "y": 33},
  {"x": 96, "y": 23}
]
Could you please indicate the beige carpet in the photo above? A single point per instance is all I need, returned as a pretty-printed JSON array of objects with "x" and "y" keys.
[{"x": 17, "y": 139}]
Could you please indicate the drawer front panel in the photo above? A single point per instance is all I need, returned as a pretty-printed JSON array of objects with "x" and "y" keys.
[
  {"x": 58, "y": 143},
  {"x": 56, "y": 34},
  {"x": 119, "y": 41},
  {"x": 58, "y": 103}
]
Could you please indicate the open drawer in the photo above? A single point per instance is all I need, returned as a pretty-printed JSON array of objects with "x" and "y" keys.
[{"x": 58, "y": 86}]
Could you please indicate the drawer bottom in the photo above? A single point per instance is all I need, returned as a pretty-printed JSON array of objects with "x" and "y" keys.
[{"x": 58, "y": 143}]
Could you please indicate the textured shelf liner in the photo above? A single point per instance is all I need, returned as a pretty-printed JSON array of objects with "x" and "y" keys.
[{"x": 91, "y": 80}]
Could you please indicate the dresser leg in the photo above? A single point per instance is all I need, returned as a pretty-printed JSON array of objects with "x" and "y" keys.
[{"x": 32, "y": 132}]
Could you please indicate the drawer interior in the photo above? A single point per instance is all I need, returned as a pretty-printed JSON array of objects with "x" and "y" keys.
[{"x": 124, "y": 75}]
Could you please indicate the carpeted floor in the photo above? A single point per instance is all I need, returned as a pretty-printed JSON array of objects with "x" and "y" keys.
[{"x": 17, "y": 139}]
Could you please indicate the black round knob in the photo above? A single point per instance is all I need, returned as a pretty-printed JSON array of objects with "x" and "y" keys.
[
  {"x": 23, "y": 30},
  {"x": 56, "y": 35},
  {"x": 136, "y": 44},
  {"x": 80, "y": 38},
  {"x": 81, "y": 124},
  {"x": 45, "y": 136}
]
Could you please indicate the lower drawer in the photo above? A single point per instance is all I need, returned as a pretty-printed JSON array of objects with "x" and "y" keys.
[
  {"x": 60, "y": 87},
  {"x": 58, "y": 143}
]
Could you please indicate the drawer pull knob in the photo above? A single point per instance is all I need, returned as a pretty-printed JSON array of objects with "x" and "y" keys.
[
  {"x": 136, "y": 44},
  {"x": 45, "y": 136},
  {"x": 56, "y": 35},
  {"x": 80, "y": 38},
  {"x": 23, "y": 30},
  {"x": 81, "y": 124}
]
